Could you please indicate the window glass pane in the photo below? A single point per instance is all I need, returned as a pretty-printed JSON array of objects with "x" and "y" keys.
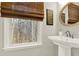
[{"x": 22, "y": 31}]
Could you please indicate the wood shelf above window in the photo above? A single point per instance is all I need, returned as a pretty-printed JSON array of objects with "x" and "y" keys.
[{"x": 34, "y": 10}]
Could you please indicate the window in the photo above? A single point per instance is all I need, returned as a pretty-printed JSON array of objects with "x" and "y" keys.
[{"x": 20, "y": 33}]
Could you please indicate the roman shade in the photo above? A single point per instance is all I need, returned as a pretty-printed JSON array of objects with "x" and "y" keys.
[
  {"x": 34, "y": 10},
  {"x": 73, "y": 13}
]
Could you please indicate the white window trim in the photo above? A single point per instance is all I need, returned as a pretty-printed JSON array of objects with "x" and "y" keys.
[{"x": 23, "y": 45}]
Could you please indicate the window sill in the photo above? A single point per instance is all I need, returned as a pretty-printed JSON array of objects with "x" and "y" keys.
[{"x": 22, "y": 46}]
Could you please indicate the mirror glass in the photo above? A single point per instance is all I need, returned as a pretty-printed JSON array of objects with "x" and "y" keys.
[{"x": 70, "y": 13}]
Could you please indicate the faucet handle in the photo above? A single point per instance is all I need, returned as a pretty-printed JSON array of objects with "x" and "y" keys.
[{"x": 72, "y": 36}]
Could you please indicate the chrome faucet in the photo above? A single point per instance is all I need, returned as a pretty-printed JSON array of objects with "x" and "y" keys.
[{"x": 68, "y": 34}]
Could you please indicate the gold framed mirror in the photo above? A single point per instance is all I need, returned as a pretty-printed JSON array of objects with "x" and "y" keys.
[{"x": 69, "y": 14}]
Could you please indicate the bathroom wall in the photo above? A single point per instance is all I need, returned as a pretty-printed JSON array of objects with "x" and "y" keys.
[
  {"x": 47, "y": 48},
  {"x": 74, "y": 30}
]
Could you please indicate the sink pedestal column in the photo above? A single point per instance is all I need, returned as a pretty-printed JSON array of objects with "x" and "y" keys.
[{"x": 64, "y": 51}]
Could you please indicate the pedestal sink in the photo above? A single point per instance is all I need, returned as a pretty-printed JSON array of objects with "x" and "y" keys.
[{"x": 64, "y": 44}]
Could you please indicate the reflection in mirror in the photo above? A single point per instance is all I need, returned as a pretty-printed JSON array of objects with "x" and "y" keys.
[{"x": 70, "y": 13}]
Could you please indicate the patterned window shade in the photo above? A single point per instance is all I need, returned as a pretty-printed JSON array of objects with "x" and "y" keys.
[{"x": 22, "y": 31}]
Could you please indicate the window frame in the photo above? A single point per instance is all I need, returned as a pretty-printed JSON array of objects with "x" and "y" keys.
[{"x": 23, "y": 45}]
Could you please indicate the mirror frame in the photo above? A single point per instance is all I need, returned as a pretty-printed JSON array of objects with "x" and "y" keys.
[{"x": 61, "y": 21}]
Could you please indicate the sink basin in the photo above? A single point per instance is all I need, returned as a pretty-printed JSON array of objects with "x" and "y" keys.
[
  {"x": 65, "y": 41},
  {"x": 64, "y": 44}
]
